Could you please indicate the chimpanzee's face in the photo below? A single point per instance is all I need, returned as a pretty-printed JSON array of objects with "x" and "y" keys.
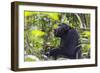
[{"x": 62, "y": 28}]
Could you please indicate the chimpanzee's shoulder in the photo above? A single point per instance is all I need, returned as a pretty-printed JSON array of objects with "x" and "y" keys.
[{"x": 73, "y": 32}]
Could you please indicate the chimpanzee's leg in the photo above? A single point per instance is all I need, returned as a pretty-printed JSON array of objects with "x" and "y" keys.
[{"x": 54, "y": 53}]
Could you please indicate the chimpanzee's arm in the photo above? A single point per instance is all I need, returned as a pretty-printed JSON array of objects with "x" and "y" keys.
[{"x": 70, "y": 42}]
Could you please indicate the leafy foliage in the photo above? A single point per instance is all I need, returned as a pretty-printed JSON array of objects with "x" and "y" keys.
[{"x": 39, "y": 27}]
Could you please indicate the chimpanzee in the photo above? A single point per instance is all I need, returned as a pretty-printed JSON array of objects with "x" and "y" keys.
[{"x": 69, "y": 44}]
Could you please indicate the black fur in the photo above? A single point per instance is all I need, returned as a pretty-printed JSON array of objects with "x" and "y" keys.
[{"x": 69, "y": 45}]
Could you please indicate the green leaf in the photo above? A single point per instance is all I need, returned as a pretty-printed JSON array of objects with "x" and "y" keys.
[
  {"x": 55, "y": 26},
  {"x": 86, "y": 34},
  {"x": 29, "y": 59},
  {"x": 28, "y": 13},
  {"x": 37, "y": 33}
]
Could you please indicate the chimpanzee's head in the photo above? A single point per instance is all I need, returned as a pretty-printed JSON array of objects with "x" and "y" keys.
[{"x": 61, "y": 30}]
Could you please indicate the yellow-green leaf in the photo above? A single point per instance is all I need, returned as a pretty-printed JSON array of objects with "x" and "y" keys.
[
  {"x": 38, "y": 33},
  {"x": 55, "y": 26},
  {"x": 28, "y": 13}
]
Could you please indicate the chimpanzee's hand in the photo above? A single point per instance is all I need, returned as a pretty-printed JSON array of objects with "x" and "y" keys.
[{"x": 47, "y": 54}]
